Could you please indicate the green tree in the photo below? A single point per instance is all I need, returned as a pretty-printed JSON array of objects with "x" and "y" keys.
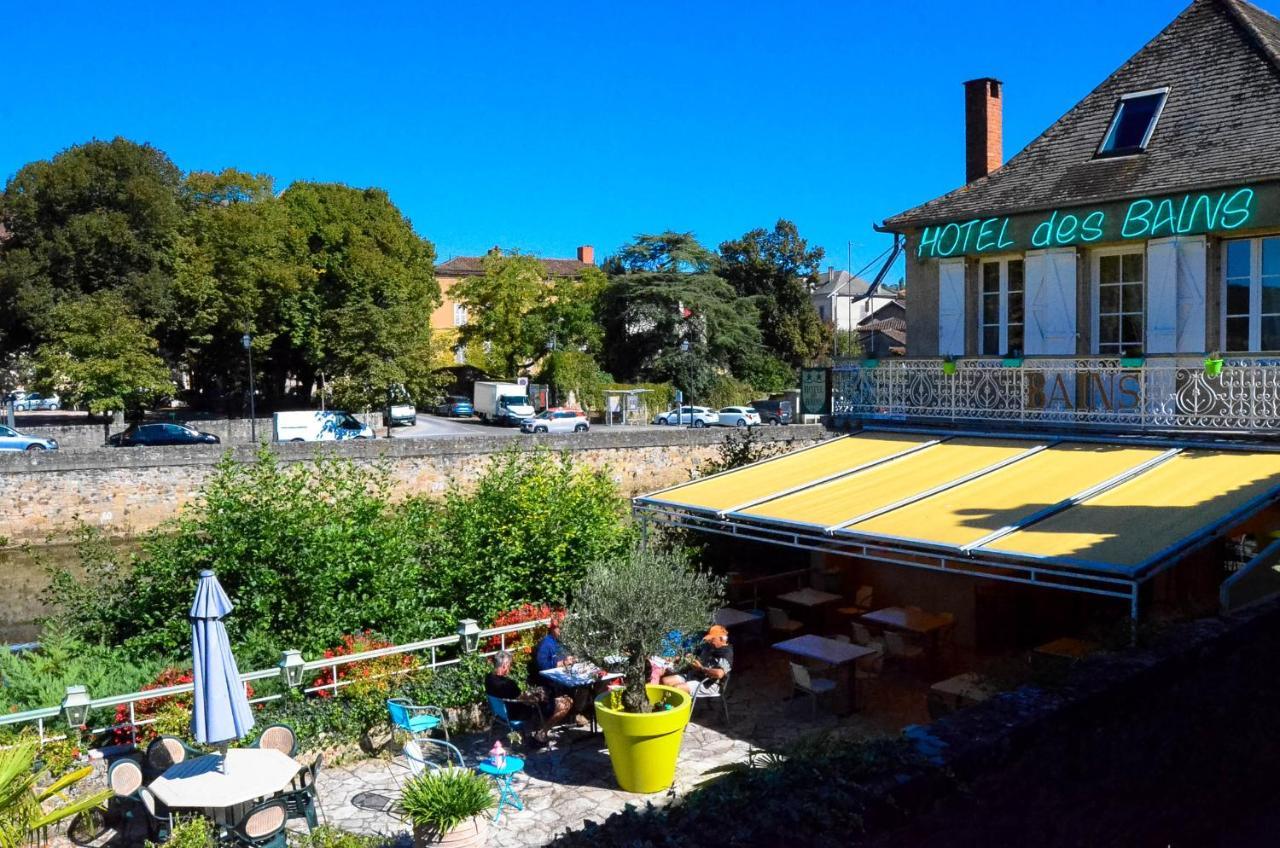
[
  {"x": 498, "y": 333},
  {"x": 100, "y": 356},
  {"x": 361, "y": 314},
  {"x": 97, "y": 216},
  {"x": 778, "y": 269}
]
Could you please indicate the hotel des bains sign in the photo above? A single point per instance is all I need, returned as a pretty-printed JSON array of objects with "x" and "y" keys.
[{"x": 1191, "y": 213}]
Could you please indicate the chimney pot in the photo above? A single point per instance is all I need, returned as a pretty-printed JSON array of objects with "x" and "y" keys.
[
  {"x": 983, "y": 127},
  {"x": 587, "y": 255}
]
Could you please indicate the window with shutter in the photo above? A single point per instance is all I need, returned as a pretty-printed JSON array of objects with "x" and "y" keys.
[
  {"x": 1251, "y": 313},
  {"x": 1000, "y": 308},
  {"x": 951, "y": 308},
  {"x": 1050, "y": 293}
]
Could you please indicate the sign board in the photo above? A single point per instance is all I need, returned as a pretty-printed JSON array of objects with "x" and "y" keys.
[
  {"x": 522, "y": 381},
  {"x": 1214, "y": 210},
  {"x": 679, "y": 396},
  {"x": 815, "y": 391}
]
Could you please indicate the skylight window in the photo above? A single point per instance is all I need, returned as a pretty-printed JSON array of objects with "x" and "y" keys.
[{"x": 1133, "y": 122}]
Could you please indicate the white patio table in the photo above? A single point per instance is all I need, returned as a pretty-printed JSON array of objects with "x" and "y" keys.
[
  {"x": 226, "y": 788},
  {"x": 834, "y": 653}
]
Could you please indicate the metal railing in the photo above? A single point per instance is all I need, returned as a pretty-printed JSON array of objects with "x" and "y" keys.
[
  {"x": 1167, "y": 393},
  {"x": 433, "y": 647}
]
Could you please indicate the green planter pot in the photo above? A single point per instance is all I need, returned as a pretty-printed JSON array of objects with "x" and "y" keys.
[
  {"x": 643, "y": 747},
  {"x": 1212, "y": 367},
  {"x": 1132, "y": 361},
  {"x": 870, "y": 363},
  {"x": 1012, "y": 362},
  {"x": 949, "y": 368}
]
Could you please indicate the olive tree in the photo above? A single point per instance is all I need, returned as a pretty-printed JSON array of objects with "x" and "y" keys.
[{"x": 626, "y": 606}]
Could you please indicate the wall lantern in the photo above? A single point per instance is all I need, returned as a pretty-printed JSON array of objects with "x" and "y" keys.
[
  {"x": 291, "y": 668},
  {"x": 75, "y": 706},
  {"x": 469, "y": 634}
]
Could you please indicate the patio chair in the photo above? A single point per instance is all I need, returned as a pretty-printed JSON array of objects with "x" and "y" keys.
[
  {"x": 862, "y": 635},
  {"x": 303, "y": 802},
  {"x": 902, "y": 651},
  {"x": 124, "y": 778},
  {"x": 864, "y": 597},
  {"x": 779, "y": 622},
  {"x": 159, "y": 819},
  {"x": 166, "y": 751},
  {"x": 263, "y": 826},
  {"x": 279, "y": 737},
  {"x": 420, "y": 761},
  {"x": 840, "y": 637},
  {"x": 417, "y": 720},
  {"x": 709, "y": 690},
  {"x": 814, "y": 687},
  {"x": 498, "y": 706}
]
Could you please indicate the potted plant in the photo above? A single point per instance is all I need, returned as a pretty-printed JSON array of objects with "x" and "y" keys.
[
  {"x": 1213, "y": 364},
  {"x": 1013, "y": 359},
  {"x": 449, "y": 807},
  {"x": 626, "y": 607},
  {"x": 1133, "y": 359},
  {"x": 949, "y": 365}
]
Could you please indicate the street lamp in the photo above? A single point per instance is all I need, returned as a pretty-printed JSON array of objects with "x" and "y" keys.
[
  {"x": 75, "y": 706},
  {"x": 247, "y": 341},
  {"x": 468, "y": 635},
  {"x": 291, "y": 668}
]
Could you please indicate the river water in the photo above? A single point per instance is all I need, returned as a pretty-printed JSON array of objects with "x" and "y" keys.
[{"x": 23, "y": 581}]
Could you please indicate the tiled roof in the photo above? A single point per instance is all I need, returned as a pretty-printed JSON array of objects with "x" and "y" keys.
[
  {"x": 894, "y": 328},
  {"x": 466, "y": 266},
  {"x": 842, "y": 280},
  {"x": 1221, "y": 62}
]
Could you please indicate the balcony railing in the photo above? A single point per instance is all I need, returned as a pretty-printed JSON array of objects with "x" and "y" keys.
[{"x": 1166, "y": 393}]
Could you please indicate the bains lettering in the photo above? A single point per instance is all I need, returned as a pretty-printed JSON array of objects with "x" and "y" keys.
[{"x": 1144, "y": 218}]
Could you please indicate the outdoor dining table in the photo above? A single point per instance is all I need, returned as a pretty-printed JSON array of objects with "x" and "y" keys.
[
  {"x": 808, "y": 597},
  {"x": 225, "y": 787},
  {"x": 832, "y": 652},
  {"x": 580, "y": 676},
  {"x": 963, "y": 690},
  {"x": 914, "y": 620}
]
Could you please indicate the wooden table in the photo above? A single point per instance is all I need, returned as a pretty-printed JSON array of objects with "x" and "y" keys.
[
  {"x": 833, "y": 653},
  {"x": 807, "y": 597},
  {"x": 1067, "y": 648},
  {"x": 730, "y": 617},
  {"x": 226, "y": 788},
  {"x": 963, "y": 690},
  {"x": 901, "y": 618}
]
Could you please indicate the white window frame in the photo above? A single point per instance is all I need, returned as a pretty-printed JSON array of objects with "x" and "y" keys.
[
  {"x": 1003, "y": 262},
  {"x": 1100, "y": 153},
  {"x": 1095, "y": 257},
  {"x": 1255, "y": 293},
  {"x": 459, "y": 315}
]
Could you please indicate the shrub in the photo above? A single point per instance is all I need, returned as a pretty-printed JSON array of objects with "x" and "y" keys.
[
  {"x": 194, "y": 832},
  {"x": 376, "y": 675},
  {"x": 33, "y": 679},
  {"x": 326, "y": 836},
  {"x": 626, "y": 606},
  {"x": 440, "y": 801},
  {"x": 524, "y": 640}
]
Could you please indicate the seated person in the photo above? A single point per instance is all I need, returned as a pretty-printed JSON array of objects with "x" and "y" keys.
[
  {"x": 550, "y": 653},
  {"x": 532, "y": 705},
  {"x": 711, "y": 662}
]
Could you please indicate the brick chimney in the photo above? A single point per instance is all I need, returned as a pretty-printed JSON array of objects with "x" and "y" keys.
[
  {"x": 983, "y": 128},
  {"x": 587, "y": 255}
]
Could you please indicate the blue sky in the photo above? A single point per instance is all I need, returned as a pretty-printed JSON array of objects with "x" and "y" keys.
[{"x": 546, "y": 125}]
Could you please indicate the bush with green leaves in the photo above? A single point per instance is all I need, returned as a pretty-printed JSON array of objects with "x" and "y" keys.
[
  {"x": 326, "y": 836},
  {"x": 440, "y": 801},
  {"x": 193, "y": 832},
  {"x": 626, "y": 605},
  {"x": 32, "y": 679}
]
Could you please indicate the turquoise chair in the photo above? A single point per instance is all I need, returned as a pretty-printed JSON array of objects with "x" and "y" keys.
[
  {"x": 417, "y": 720},
  {"x": 501, "y": 717}
]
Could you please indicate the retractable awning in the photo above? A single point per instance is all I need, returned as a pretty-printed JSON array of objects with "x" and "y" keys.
[{"x": 1073, "y": 513}]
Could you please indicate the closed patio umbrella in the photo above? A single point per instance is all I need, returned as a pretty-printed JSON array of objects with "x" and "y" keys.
[{"x": 221, "y": 711}]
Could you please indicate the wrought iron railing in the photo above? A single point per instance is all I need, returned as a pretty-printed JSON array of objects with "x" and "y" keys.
[
  {"x": 1155, "y": 393},
  {"x": 439, "y": 652}
]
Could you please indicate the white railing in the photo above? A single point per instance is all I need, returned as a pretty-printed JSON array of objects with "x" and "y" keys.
[
  {"x": 1156, "y": 393},
  {"x": 452, "y": 646}
]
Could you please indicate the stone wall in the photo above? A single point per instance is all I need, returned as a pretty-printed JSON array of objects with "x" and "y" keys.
[{"x": 126, "y": 492}]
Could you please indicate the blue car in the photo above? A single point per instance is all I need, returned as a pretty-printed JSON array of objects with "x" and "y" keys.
[
  {"x": 12, "y": 440},
  {"x": 455, "y": 406}
]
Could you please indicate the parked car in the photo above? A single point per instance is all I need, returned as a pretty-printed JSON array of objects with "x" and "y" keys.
[
  {"x": 33, "y": 401},
  {"x": 313, "y": 425},
  {"x": 738, "y": 416},
  {"x": 697, "y": 416},
  {"x": 455, "y": 406},
  {"x": 556, "y": 420},
  {"x": 400, "y": 408},
  {"x": 15, "y": 398},
  {"x": 157, "y": 435},
  {"x": 12, "y": 440},
  {"x": 773, "y": 411}
]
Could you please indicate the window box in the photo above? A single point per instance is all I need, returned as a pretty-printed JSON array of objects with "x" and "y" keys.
[
  {"x": 1012, "y": 362},
  {"x": 870, "y": 363},
  {"x": 1132, "y": 361}
]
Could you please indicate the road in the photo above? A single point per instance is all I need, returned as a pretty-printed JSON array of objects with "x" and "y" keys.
[{"x": 434, "y": 426}]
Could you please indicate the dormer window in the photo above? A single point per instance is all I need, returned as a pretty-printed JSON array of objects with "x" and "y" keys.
[{"x": 1133, "y": 123}]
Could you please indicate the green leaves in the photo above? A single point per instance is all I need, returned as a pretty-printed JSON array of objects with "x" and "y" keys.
[{"x": 440, "y": 801}]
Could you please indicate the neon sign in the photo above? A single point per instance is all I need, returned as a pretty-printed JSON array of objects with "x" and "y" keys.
[{"x": 1195, "y": 212}]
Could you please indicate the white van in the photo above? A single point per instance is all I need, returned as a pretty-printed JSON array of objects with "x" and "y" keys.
[{"x": 310, "y": 425}]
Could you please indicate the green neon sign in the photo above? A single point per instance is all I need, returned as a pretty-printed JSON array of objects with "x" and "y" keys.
[{"x": 1145, "y": 218}]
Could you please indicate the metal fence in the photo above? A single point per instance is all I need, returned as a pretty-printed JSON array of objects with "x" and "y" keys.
[
  {"x": 440, "y": 652},
  {"x": 1155, "y": 393}
]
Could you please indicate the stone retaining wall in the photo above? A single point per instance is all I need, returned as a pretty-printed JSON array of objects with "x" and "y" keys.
[
  {"x": 126, "y": 492},
  {"x": 85, "y": 434}
]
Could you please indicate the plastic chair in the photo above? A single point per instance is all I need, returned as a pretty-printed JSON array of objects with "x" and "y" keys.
[
  {"x": 159, "y": 819},
  {"x": 862, "y": 635},
  {"x": 164, "y": 752},
  {"x": 124, "y": 778},
  {"x": 498, "y": 706},
  {"x": 279, "y": 737},
  {"x": 304, "y": 801},
  {"x": 864, "y": 596},
  {"x": 418, "y": 720},
  {"x": 420, "y": 761},
  {"x": 709, "y": 689},
  {"x": 263, "y": 826},
  {"x": 779, "y": 622},
  {"x": 801, "y": 681},
  {"x": 900, "y": 649}
]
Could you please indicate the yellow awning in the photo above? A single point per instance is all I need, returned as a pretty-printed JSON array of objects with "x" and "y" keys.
[
  {"x": 968, "y": 512},
  {"x": 746, "y": 485},
  {"x": 1138, "y": 519},
  {"x": 828, "y": 504}
]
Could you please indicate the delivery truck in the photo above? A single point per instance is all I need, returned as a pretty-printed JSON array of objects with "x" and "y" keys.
[
  {"x": 312, "y": 425},
  {"x": 502, "y": 403}
]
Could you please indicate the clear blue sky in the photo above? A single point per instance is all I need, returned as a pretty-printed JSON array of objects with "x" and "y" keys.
[{"x": 545, "y": 125}]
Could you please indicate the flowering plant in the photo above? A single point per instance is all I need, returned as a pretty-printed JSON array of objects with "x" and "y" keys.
[
  {"x": 171, "y": 713},
  {"x": 372, "y": 673},
  {"x": 526, "y": 639}
]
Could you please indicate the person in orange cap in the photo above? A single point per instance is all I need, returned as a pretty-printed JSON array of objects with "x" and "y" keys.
[{"x": 708, "y": 665}]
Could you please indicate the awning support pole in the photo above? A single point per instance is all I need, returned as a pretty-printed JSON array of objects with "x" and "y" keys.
[{"x": 1133, "y": 615}]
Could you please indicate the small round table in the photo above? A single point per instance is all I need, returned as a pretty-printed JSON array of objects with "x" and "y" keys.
[{"x": 506, "y": 794}]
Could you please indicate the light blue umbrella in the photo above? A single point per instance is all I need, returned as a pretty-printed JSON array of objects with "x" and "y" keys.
[{"x": 221, "y": 712}]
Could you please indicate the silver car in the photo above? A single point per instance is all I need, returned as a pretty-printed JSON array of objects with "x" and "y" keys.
[
  {"x": 556, "y": 421},
  {"x": 738, "y": 416},
  {"x": 12, "y": 440}
]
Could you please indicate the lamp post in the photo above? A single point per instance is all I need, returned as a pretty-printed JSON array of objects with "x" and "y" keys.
[
  {"x": 247, "y": 341},
  {"x": 75, "y": 706},
  {"x": 468, "y": 635},
  {"x": 291, "y": 668}
]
